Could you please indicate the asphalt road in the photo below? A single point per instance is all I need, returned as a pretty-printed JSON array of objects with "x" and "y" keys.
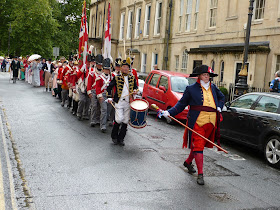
[{"x": 50, "y": 160}]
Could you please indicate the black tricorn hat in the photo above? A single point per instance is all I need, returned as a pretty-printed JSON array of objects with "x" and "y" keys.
[
  {"x": 203, "y": 69},
  {"x": 118, "y": 62},
  {"x": 99, "y": 59},
  {"x": 107, "y": 63},
  {"x": 126, "y": 62}
]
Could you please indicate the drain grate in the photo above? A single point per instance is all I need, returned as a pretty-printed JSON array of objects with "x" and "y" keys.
[
  {"x": 221, "y": 197},
  {"x": 148, "y": 150}
]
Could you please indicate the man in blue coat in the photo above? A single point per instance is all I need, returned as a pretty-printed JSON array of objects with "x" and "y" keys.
[{"x": 206, "y": 102}]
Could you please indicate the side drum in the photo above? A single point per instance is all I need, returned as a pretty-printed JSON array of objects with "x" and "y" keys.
[{"x": 138, "y": 113}]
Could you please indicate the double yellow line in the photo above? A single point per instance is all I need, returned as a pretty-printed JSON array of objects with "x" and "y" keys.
[{"x": 11, "y": 182}]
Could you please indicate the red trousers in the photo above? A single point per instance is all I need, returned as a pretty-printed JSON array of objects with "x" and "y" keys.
[{"x": 199, "y": 143}]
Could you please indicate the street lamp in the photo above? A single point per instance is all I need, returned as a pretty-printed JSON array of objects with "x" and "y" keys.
[{"x": 242, "y": 87}]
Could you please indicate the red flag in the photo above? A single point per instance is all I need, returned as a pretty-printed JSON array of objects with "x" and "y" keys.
[
  {"x": 108, "y": 34},
  {"x": 83, "y": 37}
]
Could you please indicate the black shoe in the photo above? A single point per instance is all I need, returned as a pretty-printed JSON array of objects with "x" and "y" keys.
[
  {"x": 46, "y": 89},
  {"x": 190, "y": 167},
  {"x": 62, "y": 105},
  {"x": 74, "y": 113},
  {"x": 50, "y": 89},
  {"x": 115, "y": 141},
  {"x": 80, "y": 118},
  {"x": 92, "y": 124},
  {"x": 103, "y": 130},
  {"x": 68, "y": 107},
  {"x": 121, "y": 143},
  {"x": 200, "y": 179}
]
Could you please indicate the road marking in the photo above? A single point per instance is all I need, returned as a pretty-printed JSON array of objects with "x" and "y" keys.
[
  {"x": 2, "y": 197},
  {"x": 12, "y": 188}
]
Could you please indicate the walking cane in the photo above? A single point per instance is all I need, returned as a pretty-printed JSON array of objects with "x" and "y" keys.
[{"x": 155, "y": 107}]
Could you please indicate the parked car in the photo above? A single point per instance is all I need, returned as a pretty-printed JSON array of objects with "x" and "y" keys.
[
  {"x": 254, "y": 119},
  {"x": 165, "y": 88}
]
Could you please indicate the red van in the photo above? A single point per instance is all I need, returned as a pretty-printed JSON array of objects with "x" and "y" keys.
[{"x": 165, "y": 89}]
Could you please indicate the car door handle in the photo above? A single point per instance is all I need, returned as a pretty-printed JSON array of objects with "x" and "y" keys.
[
  {"x": 265, "y": 122},
  {"x": 241, "y": 117}
]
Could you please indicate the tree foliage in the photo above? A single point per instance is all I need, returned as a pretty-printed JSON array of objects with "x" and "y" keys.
[{"x": 39, "y": 25}]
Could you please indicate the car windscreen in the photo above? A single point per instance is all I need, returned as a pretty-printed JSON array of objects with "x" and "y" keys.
[{"x": 179, "y": 84}]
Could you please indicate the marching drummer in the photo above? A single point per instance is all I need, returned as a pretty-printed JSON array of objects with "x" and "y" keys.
[{"x": 126, "y": 89}]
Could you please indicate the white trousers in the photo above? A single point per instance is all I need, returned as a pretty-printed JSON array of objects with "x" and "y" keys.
[{"x": 122, "y": 113}]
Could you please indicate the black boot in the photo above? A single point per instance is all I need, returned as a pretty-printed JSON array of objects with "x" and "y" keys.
[
  {"x": 115, "y": 132},
  {"x": 69, "y": 102},
  {"x": 190, "y": 167},
  {"x": 46, "y": 89},
  {"x": 122, "y": 134},
  {"x": 200, "y": 179},
  {"x": 75, "y": 107}
]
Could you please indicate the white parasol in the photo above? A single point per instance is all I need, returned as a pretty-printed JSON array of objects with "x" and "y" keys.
[
  {"x": 34, "y": 57},
  {"x": 1, "y": 58}
]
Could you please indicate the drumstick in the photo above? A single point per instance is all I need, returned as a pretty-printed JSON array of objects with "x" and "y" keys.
[
  {"x": 129, "y": 94},
  {"x": 155, "y": 107}
]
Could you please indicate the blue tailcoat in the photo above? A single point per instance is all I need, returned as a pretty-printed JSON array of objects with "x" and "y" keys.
[{"x": 193, "y": 95}]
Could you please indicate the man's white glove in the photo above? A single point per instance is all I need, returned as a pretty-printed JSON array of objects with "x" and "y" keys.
[
  {"x": 219, "y": 109},
  {"x": 165, "y": 114},
  {"x": 109, "y": 100}
]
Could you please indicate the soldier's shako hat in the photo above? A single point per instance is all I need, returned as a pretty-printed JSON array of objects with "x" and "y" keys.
[
  {"x": 99, "y": 59},
  {"x": 203, "y": 69},
  {"x": 118, "y": 62},
  {"x": 107, "y": 63}
]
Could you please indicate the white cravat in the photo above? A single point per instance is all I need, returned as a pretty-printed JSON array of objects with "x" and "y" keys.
[
  {"x": 125, "y": 91},
  {"x": 205, "y": 85}
]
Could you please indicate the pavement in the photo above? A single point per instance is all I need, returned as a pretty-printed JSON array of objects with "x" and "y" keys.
[{"x": 50, "y": 160}]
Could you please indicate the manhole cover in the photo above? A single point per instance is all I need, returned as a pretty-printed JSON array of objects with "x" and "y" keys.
[{"x": 221, "y": 197}]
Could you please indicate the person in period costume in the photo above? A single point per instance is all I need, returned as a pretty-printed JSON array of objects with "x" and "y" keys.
[
  {"x": 22, "y": 69},
  {"x": 84, "y": 101},
  {"x": 69, "y": 81},
  {"x": 133, "y": 71},
  {"x": 55, "y": 79},
  {"x": 64, "y": 85},
  {"x": 42, "y": 79},
  {"x": 125, "y": 85},
  {"x": 36, "y": 67},
  {"x": 74, "y": 85},
  {"x": 205, "y": 101},
  {"x": 95, "y": 72},
  {"x": 102, "y": 82},
  {"x": 48, "y": 69},
  {"x": 15, "y": 66},
  {"x": 59, "y": 83}
]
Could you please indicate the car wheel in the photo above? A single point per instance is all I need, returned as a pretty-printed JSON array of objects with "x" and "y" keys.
[{"x": 272, "y": 151}]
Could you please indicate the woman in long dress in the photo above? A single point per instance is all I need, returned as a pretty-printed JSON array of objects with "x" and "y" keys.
[{"x": 36, "y": 73}]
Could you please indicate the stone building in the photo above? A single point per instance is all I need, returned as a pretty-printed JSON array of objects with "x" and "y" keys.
[{"x": 210, "y": 32}]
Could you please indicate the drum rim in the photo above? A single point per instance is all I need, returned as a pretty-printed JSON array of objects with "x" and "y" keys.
[
  {"x": 139, "y": 110},
  {"x": 137, "y": 127}
]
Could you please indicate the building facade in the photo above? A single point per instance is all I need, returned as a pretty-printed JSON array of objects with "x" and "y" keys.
[{"x": 210, "y": 32}]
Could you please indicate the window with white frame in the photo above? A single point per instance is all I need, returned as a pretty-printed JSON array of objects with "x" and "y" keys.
[
  {"x": 213, "y": 13},
  {"x": 196, "y": 14},
  {"x": 158, "y": 18},
  {"x": 181, "y": 15},
  {"x": 154, "y": 60},
  {"x": 176, "y": 62},
  {"x": 277, "y": 63},
  {"x": 185, "y": 60},
  {"x": 222, "y": 71},
  {"x": 122, "y": 26},
  {"x": 188, "y": 15},
  {"x": 137, "y": 22},
  {"x": 129, "y": 24},
  {"x": 100, "y": 25},
  {"x": 144, "y": 62},
  {"x": 147, "y": 20},
  {"x": 259, "y": 6}
]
